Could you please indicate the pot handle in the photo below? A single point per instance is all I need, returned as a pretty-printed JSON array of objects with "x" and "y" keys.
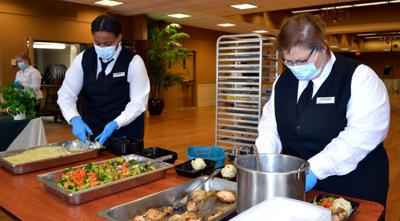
[{"x": 304, "y": 165}]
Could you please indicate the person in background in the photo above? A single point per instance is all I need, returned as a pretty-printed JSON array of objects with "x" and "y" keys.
[
  {"x": 114, "y": 83},
  {"x": 28, "y": 76},
  {"x": 329, "y": 110}
]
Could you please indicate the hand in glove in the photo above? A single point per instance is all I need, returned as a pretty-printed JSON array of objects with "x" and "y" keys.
[
  {"x": 107, "y": 132},
  {"x": 16, "y": 84},
  {"x": 80, "y": 128},
  {"x": 311, "y": 180}
]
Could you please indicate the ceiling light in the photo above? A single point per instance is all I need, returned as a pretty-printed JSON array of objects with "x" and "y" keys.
[
  {"x": 366, "y": 34},
  {"x": 370, "y": 3},
  {"x": 244, "y": 6},
  {"x": 306, "y": 10},
  {"x": 108, "y": 3},
  {"x": 373, "y": 37},
  {"x": 344, "y": 49},
  {"x": 179, "y": 15},
  {"x": 333, "y": 46},
  {"x": 48, "y": 45},
  {"x": 395, "y": 1},
  {"x": 354, "y": 50},
  {"x": 386, "y": 49},
  {"x": 226, "y": 25},
  {"x": 260, "y": 31}
]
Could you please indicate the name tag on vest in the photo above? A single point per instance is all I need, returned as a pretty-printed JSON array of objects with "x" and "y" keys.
[
  {"x": 118, "y": 74},
  {"x": 325, "y": 100}
]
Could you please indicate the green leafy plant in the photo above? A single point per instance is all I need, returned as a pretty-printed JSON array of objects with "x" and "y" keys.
[
  {"x": 18, "y": 100},
  {"x": 165, "y": 50}
]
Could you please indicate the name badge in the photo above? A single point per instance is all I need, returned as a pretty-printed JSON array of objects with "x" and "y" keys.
[
  {"x": 325, "y": 100},
  {"x": 118, "y": 74}
]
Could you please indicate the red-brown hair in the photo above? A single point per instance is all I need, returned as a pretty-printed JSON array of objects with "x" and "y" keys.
[{"x": 303, "y": 30}]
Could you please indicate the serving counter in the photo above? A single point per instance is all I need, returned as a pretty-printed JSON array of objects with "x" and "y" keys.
[{"x": 26, "y": 198}]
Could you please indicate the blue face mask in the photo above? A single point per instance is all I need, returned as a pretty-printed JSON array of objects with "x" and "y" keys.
[
  {"x": 105, "y": 53},
  {"x": 21, "y": 65},
  {"x": 305, "y": 72}
]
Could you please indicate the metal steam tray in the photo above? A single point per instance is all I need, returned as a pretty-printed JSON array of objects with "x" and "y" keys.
[
  {"x": 127, "y": 211},
  {"x": 49, "y": 180},
  {"x": 86, "y": 153}
]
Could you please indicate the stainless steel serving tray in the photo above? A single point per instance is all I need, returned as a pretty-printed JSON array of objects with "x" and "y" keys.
[
  {"x": 125, "y": 212},
  {"x": 85, "y": 154},
  {"x": 49, "y": 180}
]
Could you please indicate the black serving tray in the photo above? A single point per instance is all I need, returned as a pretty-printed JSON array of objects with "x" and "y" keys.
[
  {"x": 354, "y": 205},
  {"x": 186, "y": 169},
  {"x": 125, "y": 145},
  {"x": 156, "y": 152}
]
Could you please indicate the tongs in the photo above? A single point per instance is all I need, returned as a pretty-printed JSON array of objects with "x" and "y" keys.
[
  {"x": 183, "y": 201},
  {"x": 149, "y": 162}
]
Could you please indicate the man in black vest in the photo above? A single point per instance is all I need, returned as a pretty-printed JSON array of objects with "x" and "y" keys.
[
  {"x": 114, "y": 83},
  {"x": 329, "y": 110}
]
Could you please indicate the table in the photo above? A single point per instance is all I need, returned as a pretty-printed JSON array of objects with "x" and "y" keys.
[
  {"x": 21, "y": 134},
  {"x": 27, "y": 199}
]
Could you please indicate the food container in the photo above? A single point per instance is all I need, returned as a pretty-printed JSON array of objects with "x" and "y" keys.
[
  {"x": 126, "y": 211},
  {"x": 49, "y": 180},
  {"x": 186, "y": 169},
  {"x": 84, "y": 154},
  {"x": 125, "y": 145},
  {"x": 207, "y": 152},
  {"x": 156, "y": 152},
  {"x": 279, "y": 208},
  {"x": 354, "y": 205},
  {"x": 283, "y": 176}
]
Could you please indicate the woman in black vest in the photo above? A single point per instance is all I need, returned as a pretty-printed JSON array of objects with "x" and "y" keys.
[
  {"x": 329, "y": 110},
  {"x": 114, "y": 83}
]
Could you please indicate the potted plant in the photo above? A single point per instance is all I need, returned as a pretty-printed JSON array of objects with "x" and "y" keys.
[
  {"x": 18, "y": 101},
  {"x": 165, "y": 49}
]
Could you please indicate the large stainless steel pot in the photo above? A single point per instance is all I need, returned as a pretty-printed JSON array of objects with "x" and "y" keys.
[{"x": 282, "y": 175}]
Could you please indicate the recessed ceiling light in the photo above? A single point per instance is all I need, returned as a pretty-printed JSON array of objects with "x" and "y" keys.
[
  {"x": 366, "y": 34},
  {"x": 333, "y": 46},
  {"x": 48, "y": 45},
  {"x": 260, "y": 31},
  {"x": 108, "y": 3},
  {"x": 306, "y": 10},
  {"x": 373, "y": 37},
  {"x": 370, "y": 3},
  {"x": 344, "y": 49},
  {"x": 386, "y": 49},
  {"x": 395, "y": 1},
  {"x": 179, "y": 15},
  {"x": 244, "y": 6},
  {"x": 226, "y": 25},
  {"x": 354, "y": 50}
]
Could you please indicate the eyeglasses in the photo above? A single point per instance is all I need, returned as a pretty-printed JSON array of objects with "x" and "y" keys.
[{"x": 298, "y": 62}]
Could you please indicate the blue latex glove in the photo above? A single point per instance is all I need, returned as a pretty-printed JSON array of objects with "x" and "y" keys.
[
  {"x": 311, "y": 180},
  {"x": 80, "y": 129},
  {"x": 16, "y": 83},
  {"x": 107, "y": 132}
]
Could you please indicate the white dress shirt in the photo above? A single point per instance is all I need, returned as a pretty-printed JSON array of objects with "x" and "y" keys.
[
  {"x": 139, "y": 88},
  {"x": 368, "y": 116},
  {"x": 30, "y": 77}
]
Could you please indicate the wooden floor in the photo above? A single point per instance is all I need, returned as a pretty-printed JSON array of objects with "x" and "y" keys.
[{"x": 176, "y": 130}]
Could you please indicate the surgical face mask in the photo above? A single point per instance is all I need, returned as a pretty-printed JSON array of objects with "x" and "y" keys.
[
  {"x": 305, "y": 72},
  {"x": 21, "y": 65},
  {"x": 105, "y": 53}
]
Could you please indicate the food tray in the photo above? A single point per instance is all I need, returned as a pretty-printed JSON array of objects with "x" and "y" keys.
[
  {"x": 49, "y": 179},
  {"x": 50, "y": 162},
  {"x": 354, "y": 205},
  {"x": 186, "y": 169},
  {"x": 156, "y": 152},
  {"x": 126, "y": 211}
]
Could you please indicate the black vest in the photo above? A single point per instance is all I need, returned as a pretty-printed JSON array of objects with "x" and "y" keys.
[
  {"x": 105, "y": 99},
  {"x": 308, "y": 134}
]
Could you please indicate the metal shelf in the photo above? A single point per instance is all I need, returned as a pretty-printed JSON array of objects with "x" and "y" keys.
[{"x": 247, "y": 66}]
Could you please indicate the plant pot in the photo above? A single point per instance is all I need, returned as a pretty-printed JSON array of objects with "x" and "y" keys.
[
  {"x": 156, "y": 106},
  {"x": 20, "y": 116}
]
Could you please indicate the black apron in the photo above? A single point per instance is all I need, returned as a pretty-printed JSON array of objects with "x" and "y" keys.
[
  {"x": 106, "y": 98},
  {"x": 306, "y": 135}
]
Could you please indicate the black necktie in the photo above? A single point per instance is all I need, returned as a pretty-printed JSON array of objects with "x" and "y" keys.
[
  {"x": 304, "y": 99},
  {"x": 102, "y": 73}
]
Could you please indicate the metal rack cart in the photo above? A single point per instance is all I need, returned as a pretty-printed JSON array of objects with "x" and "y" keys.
[{"x": 247, "y": 65}]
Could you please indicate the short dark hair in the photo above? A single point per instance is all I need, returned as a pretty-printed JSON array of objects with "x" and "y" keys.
[
  {"x": 106, "y": 23},
  {"x": 305, "y": 30}
]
